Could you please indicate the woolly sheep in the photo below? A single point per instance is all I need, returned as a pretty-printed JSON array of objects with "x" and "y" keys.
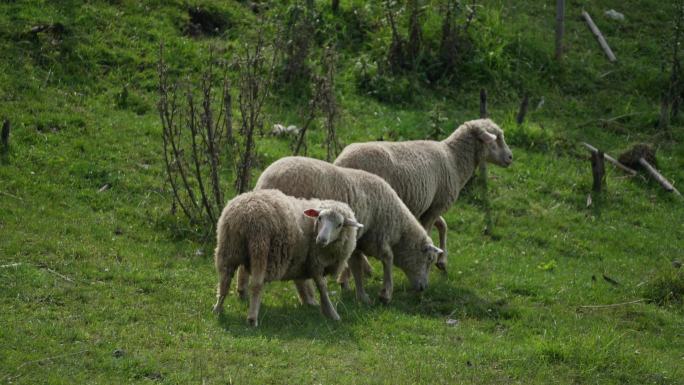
[
  {"x": 428, "y": 175},
  {"x": 391, "y": 233},
  {"x": 281, "y": 130},
  {"x": 277, "y": 237}
]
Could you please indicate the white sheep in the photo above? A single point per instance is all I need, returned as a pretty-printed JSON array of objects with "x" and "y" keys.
[
  {"x": 278, "y": 237},
  {"x": 281, "y": 130},
  {"x": 390, "y": 232},
  {"x": 428, "y": 175}
]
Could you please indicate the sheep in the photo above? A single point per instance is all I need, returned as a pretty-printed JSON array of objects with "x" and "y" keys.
[
  {"x": 428, "y": 175},
  {"x": 281, "y": 130},
  {"x": 275, "y": 237},
  {"x": 391, "y": 232}
]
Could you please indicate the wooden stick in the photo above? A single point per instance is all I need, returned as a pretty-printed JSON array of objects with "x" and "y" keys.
[
  {"x": 4, "y": 136},
  {"x": 560, "y": 27},
  {"x": 658, "y": 176},
  {"x": 612, "y": 304},
  {"x": 483, "y": 171},
  {"x": 15, "y": 264},
  {"x": 664, "y": 120},
  {"x": 523, "y": 110},
  {"x": 64, "y": 277},
  {"x": 483, "y": 103},
  {"x": 598, "y": 170},
  {"x": 11, "y": 196},
  {"x": 611, "y": 160},
  {"x": 601, "y": 40},
  {"x": 47, "y": 359}
]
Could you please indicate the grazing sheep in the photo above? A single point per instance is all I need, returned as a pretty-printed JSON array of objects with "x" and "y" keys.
[
  {"x": 428, "y": 175},
  {"x": 280, "y": 130},
  {"x": 275, "y": 237},
  {"x": 391, "y": 233}
]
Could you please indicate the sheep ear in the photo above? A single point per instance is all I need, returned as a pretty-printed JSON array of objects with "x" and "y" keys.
[
  {"x": 311, "y": 213},
  {"x": 486, "y": 137},
  {"x": 353, "y": 223},
  {"x": 434, "y": 249}
]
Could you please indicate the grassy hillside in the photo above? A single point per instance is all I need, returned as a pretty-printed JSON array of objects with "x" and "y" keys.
[{"x": 111, "y": 287}]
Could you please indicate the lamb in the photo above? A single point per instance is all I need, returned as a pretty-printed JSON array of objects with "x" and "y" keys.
[
  {"x": 391, "y": 232},
  {"x": 272, "y": 235},
  {"x": 428, "y": 175}
]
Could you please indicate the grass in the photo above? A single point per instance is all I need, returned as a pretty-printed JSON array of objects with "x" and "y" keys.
[{"x": 110, "y": 287}]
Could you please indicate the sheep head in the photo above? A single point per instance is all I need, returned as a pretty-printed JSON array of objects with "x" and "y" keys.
[
  {"x": 330, "y": 224},
  {"x": 492, "y": 138},
  {"x": 415, "y": 259}
]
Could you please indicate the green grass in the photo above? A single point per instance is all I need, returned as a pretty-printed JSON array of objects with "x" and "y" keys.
[{"x": 110, "y": 287}]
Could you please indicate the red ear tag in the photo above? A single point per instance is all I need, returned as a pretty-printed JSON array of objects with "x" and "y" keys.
[{"x": 311, "y": 213}]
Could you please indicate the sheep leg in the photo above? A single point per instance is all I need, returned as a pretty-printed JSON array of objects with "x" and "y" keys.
[
  {"x": 305, "y": 292},
  {"x": 427, "y": 220},
  {"x": 388, "y": 285},
  {"x": 258, "y": 258},
  {"x": 343, "y": 279},
  {"x": 356, "y": 267},
  {"x": 225, "y": 276},
  {"x": 441, "y": 226},
  {"x": 243, "y": 282},
  {"x": 327, "y": 307},
  {"x": 256, "y": 290}
]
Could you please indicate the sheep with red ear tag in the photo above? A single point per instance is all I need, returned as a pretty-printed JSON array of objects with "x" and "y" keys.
[{"x": 278, "y": 237}]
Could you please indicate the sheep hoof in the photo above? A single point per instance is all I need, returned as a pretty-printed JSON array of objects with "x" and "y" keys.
[
  {"x": 217, "y": 309},
  {"x": 344, "y": 286},
  {"x": 364, "y": 298},
  {"x": 242, "y": 294},
  {"x": 310, "y": 302},
  {"x": 252, "y": 322},
  {"x": 441, "y": 265},
  {"x": 384, "y": 299},
  {"x": 332, "y": 314}
]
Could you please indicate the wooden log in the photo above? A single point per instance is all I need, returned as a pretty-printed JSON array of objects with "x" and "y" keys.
[
  {"x": 560, "y": 28},
  {"x": 598, "y": 170},
  {"x": 612, "y": 160},
  {"x": 658, "y": 176},
  {"x": 523, "y": 110},
  {"x": 599, "y": 37}
]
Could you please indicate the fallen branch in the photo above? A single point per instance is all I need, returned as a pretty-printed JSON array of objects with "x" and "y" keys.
[
  {"x": 611, "y": 160},
  {"x": 658, "y": 176},
  {"x": 11, "y": 265},
  {"x": 612, "y": 304},
  {"x": 64, "y": 277},
  {"x": 599, "y": 36},
  {"x": 11, "y": 196},
  {"x": 642, "y": 155},
  {"x": 610, "y": 280}
]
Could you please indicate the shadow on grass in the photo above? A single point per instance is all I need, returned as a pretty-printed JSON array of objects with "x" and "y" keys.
[{"x": 443, "y": 300}]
